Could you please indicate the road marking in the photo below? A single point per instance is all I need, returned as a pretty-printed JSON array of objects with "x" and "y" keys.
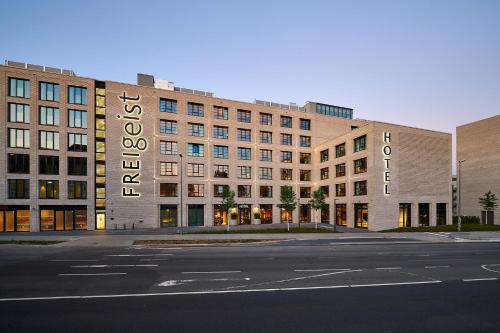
[
  {"x": 153, "y": 259},
  {"x": 436, "y": 234},
  {"x": 92, "y": 274},
  {"x": 170, "y": 283},
  {"x": 321, "y": 269},
  {"x": 213, "y": 272},
  {"x": 361, "y": 237},
  {"x": 62, "y": 260},
  {"x": 480, "y": 279},
  {"x": 105, "y": 266},
  {"x": 443, "y": 266},
  {"x": 139, "y": 255},
  {"x": 489, "y": 269},
  {"x": 388, "y": 268},
  {"x": 394, "y": 284}
]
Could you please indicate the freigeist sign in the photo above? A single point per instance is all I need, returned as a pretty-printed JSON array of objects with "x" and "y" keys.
[
  {"x": 133, "y": 144},
  {"x": 387, "y": 151}
]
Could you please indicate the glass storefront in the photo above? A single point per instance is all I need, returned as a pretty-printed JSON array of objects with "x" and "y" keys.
[
  {"x": 341, "y": 214},
  {"x": 325, "y": 214},
  {"x": 195, "y": 215},
  {"x": 404, "y": 215},
  {"x": 266, "y": 214},
  {"x": 440, "y": 213},
  {"x": 60, "y": 218},
  {"x": 14, "y": 218},
  {"x": 304, "y": 214},
  {"x": 168, "y": 216},
  {"x": 244, "y": 214},
  {"x": 286, "y": 216},
  {"x": 361, "y": 215},
  {"x": 220, "y": 216},
  {"x": 423, "y": 214}
]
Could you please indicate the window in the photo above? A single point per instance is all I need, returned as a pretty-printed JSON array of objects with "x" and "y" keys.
[
  {"x": 341, "y": 214},
  {"x": 49, "y": 140},
  {"x": 324, "y": 155},
  {"x": 404, "y": 215},
  {"x": 19, "y": 138},
  {"x": 77, "y": 166},
  {"x": 340, "y": 170},
  {"x": 196, "y": 149},
  {"x": 361, "y": 215},
  {"x": 195, "y": 170},
  {"x": 18, "y": 163},
  {"x": 266, "y": 119},
  {"x": 19, "y": 188},
  {"x": 168, "y": 105},
  {"x": 48, "y": 189},
  {"x": 305, "y": 141},
  {"x": 266, "y": 155},
  {"x": 360, "y": 165},
  {"x": 244, "y": 191},
  {"x": 305, "y": 124},
  {"x": 305, "y": 175},
  {"x": 326, "y": 190},
  {"x": 266, "y": 191},
  {"x": 221, "y": 152},
  {"x": 221, "y": 171},
  {"x": 77, "y": 189},
  {"x": 305, "y": 158},
  {"x": 340, "y": 150},
  {"x": 286, "y": 174},
  {"x": 49, "y": 116},
  {"x": 221, "y": 113},
  {"x": 196, "y": 190},
  {"x": 244, "y": 172},
  {"x": 168, "y": 190},
  {"x": 220, "y": 132},
  {"x": 48, "y": 165},
  {"x": 324, "y": 173},
  {"x": 423, "y": 214},
  {"x": 340, "y": 190},
  {"x": 77, "y": 142},
  {"x": 19, "y": 113},
  {"x": 266, "y": 137},
  {"x": 244, "y": 153},
  {"x": 49, "y": 91},
  {"x": 286, "y": 139},
  {"x": 196, "y": 129},
  {"x": 168, "y": 169},
  {"x": 195, "y": 109},
  {"x": 305, "y": 192},
  {"x": 286, "y": 122},
  {"x": 440, "y": 213},
  {"x": 77, "y": 118},
  {"x": 265, "y": 173},
  {"x": 244, "y": 134},
  {"x": 168, "y": 148},
  {"x": 360, "y": 188},
  {"x": 244, "y": 116},
  {"x": 168, "y": 126},
  {"x": 286, "y": 156},
  {"x": 331, "y": 110},
  {"x": 19, "y": 88},
  {"x": 360, "y": 143},
  {"x": 77, "y": 95},
  {"x": 219, "y": 190},
  {"x": 100, "y": 127}
]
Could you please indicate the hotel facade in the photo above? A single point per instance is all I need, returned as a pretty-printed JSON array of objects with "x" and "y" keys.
[{"x": 84, "y": 154}]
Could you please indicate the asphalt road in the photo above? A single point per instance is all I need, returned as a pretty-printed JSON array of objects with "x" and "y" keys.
[{"x": 281, "y": 287}]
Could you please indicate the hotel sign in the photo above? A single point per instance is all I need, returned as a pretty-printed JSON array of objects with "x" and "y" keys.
[{"x": 387, "y": 151}]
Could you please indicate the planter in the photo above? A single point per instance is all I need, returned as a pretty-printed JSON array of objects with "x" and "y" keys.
[
  {"x": 256, "y": 221},
  {"x": 233, "y": 222}
]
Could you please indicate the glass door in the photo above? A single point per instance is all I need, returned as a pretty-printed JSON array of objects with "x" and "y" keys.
[
  {"x": 244, "y": 214},
  {"x": 59, "y": 220}
]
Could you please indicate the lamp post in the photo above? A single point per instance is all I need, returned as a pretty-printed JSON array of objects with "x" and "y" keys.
[
  {"x": 459, "y": 193},
  {"x": 335, "y": 215},
  {"x": 182, "y": 193}
]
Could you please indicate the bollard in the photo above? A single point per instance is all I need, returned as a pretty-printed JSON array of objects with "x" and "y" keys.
[{"x": 133, "y": 226}]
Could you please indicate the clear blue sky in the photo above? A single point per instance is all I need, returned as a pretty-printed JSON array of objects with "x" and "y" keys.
[{"x": 430, "y": 64}]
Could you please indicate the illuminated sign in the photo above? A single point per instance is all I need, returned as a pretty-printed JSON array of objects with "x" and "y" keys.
[
  {"x": 133, "y": 144},
  {"x": 387, "y": 151}
]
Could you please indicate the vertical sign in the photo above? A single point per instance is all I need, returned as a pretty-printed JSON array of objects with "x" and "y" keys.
[{"x": 387, "y": 151}]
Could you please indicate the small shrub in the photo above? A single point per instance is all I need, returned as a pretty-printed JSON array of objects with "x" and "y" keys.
[
  {"x": 234, "y": 216},
  {"x": 467, "y": 220},
  {"x": 256, "y": 216}
]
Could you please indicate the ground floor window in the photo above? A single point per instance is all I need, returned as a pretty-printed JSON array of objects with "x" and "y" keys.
[
  {"x": 100, "y": 219},
  {"x": 220, "y": 216},
  {"x": 440, "y": 213},
  {"x": 168, "y": 216},
  {"x": 286, "y": 216},
  {"x": 361, "y": 215},
  {"x": 60, "y": 218},
  {"x": 14, "y": 218},
  {"x": 325, "y": 214},
  {"x": 304, "y": 213},
  {"x": 195, "y": 215},
  {"x": 244, "y": 214},
  {"x": 423, "y": 214},
  {"x": 341, "y": 214},
  {"x": 266, "y": 214},
  {"x": 404, "y": 215}
]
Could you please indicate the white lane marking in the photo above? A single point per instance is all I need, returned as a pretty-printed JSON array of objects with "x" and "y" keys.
[
  {"x": 442, "y": 266},
  {"x": 480, "y": 279},
  {"x": 361, "y": 237},
  {"x": 154, "y": 259},
  {"x": 388, "y": 268},
  {"x": 170, "y": 283},
  {"x": 489, "y": 269},
  {"x": 436, "y": 234},
  {"x": 91, "y": 274},
  {"x": 106, "y": 266},
  {"x": 213, "y": 272},
  {"x": 240, "y": 291},
  {"x": 322, "y": 270},
  {"x": 139, "y": 255},
  {"x": 62, "y": 260}
]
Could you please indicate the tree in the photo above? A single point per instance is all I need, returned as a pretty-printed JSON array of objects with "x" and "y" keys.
[
  {"x": 317, "y": 202},
  {"x": 227, "y": 203},
  {"x": 488, "y": 202},
  {"x": 288, "y": 201}
]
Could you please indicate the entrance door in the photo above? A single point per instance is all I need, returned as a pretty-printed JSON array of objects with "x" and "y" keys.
[
  {"x": 168, "y": 216},
  {"x": 305, "y": 214},
  {"x": 195, "y": 215},
  {"x": 100, "y": 220},
  {"x": 59, "y": 220},
  {"x": 423, "y": 214},
  {"x": 220, "y": 216},
  {"x": 244, "y": 214},
  {"x": 10, "y": 220}
]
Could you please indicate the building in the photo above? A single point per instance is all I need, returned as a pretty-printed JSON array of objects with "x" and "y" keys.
[
  {"x": 82, "y": 154},
  {"x": 454, "y": 196},
  {"x": 478, "y": 144}
]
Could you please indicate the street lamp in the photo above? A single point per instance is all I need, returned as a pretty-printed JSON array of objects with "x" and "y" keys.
[
  {"x": 335, "y": 215},
  {"x": 182, "y": 225},
  {"x": 459, "y": 193}
]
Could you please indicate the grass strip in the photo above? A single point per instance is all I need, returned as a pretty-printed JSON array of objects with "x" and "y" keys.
[
  {"x": 449, "y": 228},
  {"x": 29, "y": 242}
]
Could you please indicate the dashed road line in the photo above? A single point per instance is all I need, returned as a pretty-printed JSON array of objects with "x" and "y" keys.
[
  {"x": 480, "y": 279},
  {"x": 322, "y": 270},
  {"x": 388, "y": 268},
  {"x": 91, "y": 274},
  {"x": 213, "y": 272},
  {"x": 432, "y": 267},
  {"x": 107, "y": 266},
  {"x": 170, "y": 283},
  {"x": 139, "y": 255},
  {"x": 63, "y": 260}
]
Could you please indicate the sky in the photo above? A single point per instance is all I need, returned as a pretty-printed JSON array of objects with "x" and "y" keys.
[{"x": 429, "y": 64}]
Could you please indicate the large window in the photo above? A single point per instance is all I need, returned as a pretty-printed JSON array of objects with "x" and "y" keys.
[
  {"x": 168, "y": 189},
  {"x": 244, "y": 134},
  {"x": 286, "y": 156},
  {"x": 305, "y": 175},
  {"x": 324, "y": 173},
  {"x": 168, "y": 126},
  {"x": 220, "y": 132},
  {"x": 244, "y": 153},
  {"x": 324, "y": 155},
  {"x": 266, "y": 155},
  {"x": 286, "y": 121},
  {"x": 18, "y": 163},
  {"x": 340, "y": 190},
  {"x": 326, "y": 190},
  {"x": 77, "y": 95},
  {"x": 168, "y": 105},
  {"x": 221, "y": 113},
  {"x": 19, "y": 138},
  {"x": 219, "y": 190},
  {"x": 404, "y": 215},
  {"x": 168, "y": 216},
  {"x": 19, "y": 113},
  {"x": 19, "y": 87},
  {"x": 195, "y": 109},
  {"x": 305, "y": 124},
  {"x": 221, "y": 171},
  {"x": 305, "y": 192},
  {"x": 49, "y": 91},
  {"x": 266, "y": 137},
  {"x": 360, "y": 165},
  {"x": 196, "y": 190},
  {"x": 305, "y": 141},
  {"x": 360, "y": 143},
  {"x": 244, "y": 116},
  {"x": 440, "y": 213},
  {"x": 340, "y": 150},
  {"x": 168, "y": 148},
  {"x": 360, "y": 188},
  {"x": 195, "y": 170},
  {"x": 305, "y": 158},
  {"x": 266, "y": 173},
  {"x": 286, "y": 174},
  {"x": 195, "y": 149},
  {"x": 48, "y": 165},
  {"x": 18, "y": 188},
  {"x": 77, "y": 142},
  {"x": 77, "y": 118},
  {"x": 266, "y": 119},
  {"x": 361, "y": 215},
  {"x": 48, "y": 189},
  {"x": 286, "y": 139},
  {"x": 196, "y": 129},
  {"x": 244, "y": 172},
  {"x": 77, "y": 189},
  {"x": 221, "y": 152},
  {"x": 49, "y": 140},
  {"x": 341, "y": 214},
  {"x": 266, "y": 191},
  {"x": 423, "y": 214},
  {"x": 49, "y": 116},
  {"x": 168, "y": 169},
  {"x": 77, "y": 166},
  {"x": 340, "y": 170},
  {"x": 332, "y": 110},
  {"x": 244, "y": 191}
]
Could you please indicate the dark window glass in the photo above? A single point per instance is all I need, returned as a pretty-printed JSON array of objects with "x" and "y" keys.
[
  {"x": 18, "y": 188},
  {"x": 244, "y": 134},
  {"x": 324, "y": 155},
  {"x": 77, "y": 166},
  {"x": 221, "y": 113},
  {"x": 286, "y": 174},
  {"x": 219, "y": 190},
  {"x": 305, "y": 141},
  {"x": 244, "y": 191},
  {"x": 305, "y": 124},
  {"x": 305, "y": 192},
  {"x": 286, "y": 156},
  {"x": 49, "y": 91},
  {"x": 221, "y": 171},
  {"x": 244, "y": 116},
  {"x": 360, "y": 143},
  {"x": 48, "y": 165},
  {"x": 360, "y": 188},
  {"x": 305, "y": 158},
  {"x": 423, "y": 214},
  {"x": 19, "y": 87},
  {"x": 77, "y": 95},
  {"x": 326, "y": 190},
  {"x": 286, "y": 122},
  {"x": 221, "y": 152},
  {"x": 49, "y": 189},
  {"x": 168, "y": 126},
  {"x": 266, "y": 191},
  {"x": 286, "y": 139},
  {"x": 266, "y": 119},
  {"x": 77, "y": 142},
  {"x": 324, "y": 173},
  {"x": 18, "y": 163},
  {"x": 340, "y": 150},
  {"x": 196, "y": 190},
  {"x": 305, "y": 175},
  {"x": 244, "y": 153},
  {"x": 360, "y": 165},
  {"x": 168, "y": 189},
  {"x": 196, "y": 149},
  {"x": 195, "y": 109},
  {"x": 77, "y": 189},
  {"x": 266, "y": 155},
  {"x": 340, "y": 170},
  {"x": 340, "y": 190},
  {"x": 168, "y": 105},
  {"x": 220, "y": 132}
]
